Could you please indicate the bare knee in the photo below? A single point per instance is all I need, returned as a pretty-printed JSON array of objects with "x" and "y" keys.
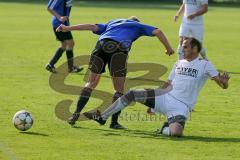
[
  {"x": 70, "y": 44},
  {"x": 176, "y": 129},
  {"x": 64, "y": 45},
  {"x": 92, "y": 84},
  {"x": 93, "y": 81}
]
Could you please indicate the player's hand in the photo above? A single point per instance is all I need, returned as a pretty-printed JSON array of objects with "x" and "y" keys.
[
  {"x": 169, "y": 51},
  {"x": 224, "y": 78},
  {"x": 63, "y": 18},
  {"x": 150, "y": 111},
  {"x": 62, "y": 28},
  {"x": 191, "y": 16},
  {"x": 175, "y": 18}
]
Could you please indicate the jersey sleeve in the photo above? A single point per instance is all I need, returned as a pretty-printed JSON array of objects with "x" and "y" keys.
[
  {"x": 101, "y": 28},
  {"x": 147, "y": 30},
  {"x": 53, "y": 4},
  {"x": 172, "y": 73},
  {"x": 210, "y": 70},
  {"x": 204, "y": 2}
]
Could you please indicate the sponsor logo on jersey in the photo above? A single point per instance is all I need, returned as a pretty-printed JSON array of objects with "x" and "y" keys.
[{"x": 187, "y": 71}]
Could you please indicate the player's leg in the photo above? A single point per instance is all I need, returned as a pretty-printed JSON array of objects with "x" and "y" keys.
[
  {"x": 179, "y": 49},
  {"x": 118, "y": 83},
  {"x": 118, "y": 70},
  {"x": 70, "y": 55},
  {"x": 177, "y": 113},
  {"x": 84, "y": 96},
  {"x": 96, "y": 67},
  {"x": 60, "y": 37},
  {"x": 184, "y": 31},
  {"x": 198, "y": 33},
  {"x": 141, "y": 96},
  {"x": 144, "y": 96},
  {"x": 174, "y": 126}
]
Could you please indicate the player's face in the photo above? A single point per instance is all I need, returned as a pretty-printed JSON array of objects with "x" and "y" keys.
[{"x": 187, "y": 49}]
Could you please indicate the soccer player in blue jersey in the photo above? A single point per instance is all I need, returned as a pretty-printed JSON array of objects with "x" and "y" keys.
[
  {"x": 60, "y": 9},
  {"x": 112, "y": 48}
]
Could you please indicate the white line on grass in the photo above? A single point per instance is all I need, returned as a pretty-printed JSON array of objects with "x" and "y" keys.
[{"x": 7, "y": 151}]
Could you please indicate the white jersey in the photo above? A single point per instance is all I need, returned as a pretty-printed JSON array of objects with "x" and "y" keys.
[
  {"x": 188, "y": 79},
  {"x": 192, "y": 6}
]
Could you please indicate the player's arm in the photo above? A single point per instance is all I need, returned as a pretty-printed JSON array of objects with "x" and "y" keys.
[
  {"x": 51, "y": 7},
  {"x": 79, "y": 27},
  {"x": 160, "y": 35},
  {"x": 179, "y": 12},
  {"x": 201, "y": 11},
  {"x": 166, "y": 84},
  {"x": 222, "y": 80}
]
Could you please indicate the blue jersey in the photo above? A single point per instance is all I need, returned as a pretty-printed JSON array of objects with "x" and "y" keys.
[
  {"x": 124, "y": 30},
  {"x": 63, "y": 8}
]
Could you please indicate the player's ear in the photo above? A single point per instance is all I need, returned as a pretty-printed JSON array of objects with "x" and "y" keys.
[{"x": 195, "y": 49}]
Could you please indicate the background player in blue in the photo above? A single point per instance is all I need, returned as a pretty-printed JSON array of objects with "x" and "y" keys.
[
  {"x": 60, "y": 9},
  {"x": 112, "y": 48}
]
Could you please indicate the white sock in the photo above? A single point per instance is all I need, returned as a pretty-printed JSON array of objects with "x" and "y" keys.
[
  {"x": 166, "y": 131},
  {"x": 118, "y": 105}
]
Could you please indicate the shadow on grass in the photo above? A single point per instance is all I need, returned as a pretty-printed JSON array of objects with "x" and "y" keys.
[
  {"x": 35, "y": 134},
  {"x": 153, "y": 135}
]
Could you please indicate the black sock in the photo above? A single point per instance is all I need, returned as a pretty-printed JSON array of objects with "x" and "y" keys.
[
  {"x": 83, "y": 99},
  {"x": 69, "y": 54},
  {"x": 56, "y": 56},
  {"x": 116, "y": 115}
]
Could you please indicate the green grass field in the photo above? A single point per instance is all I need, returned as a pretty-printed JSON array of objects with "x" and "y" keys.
[{"x": 27, "y": 43}]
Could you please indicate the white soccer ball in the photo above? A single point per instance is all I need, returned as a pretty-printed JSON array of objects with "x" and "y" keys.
[{"x": 23, "y": 120}]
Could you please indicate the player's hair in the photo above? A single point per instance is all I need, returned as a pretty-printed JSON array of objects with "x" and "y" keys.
[
  {"x": 134, "y": 18},
  {"x": 194, "y": 42}
]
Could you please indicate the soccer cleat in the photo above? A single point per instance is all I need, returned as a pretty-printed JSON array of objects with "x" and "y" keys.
[
  {"x": 160, "y": 131},
  {"x": 51, "y": 68},
  {"x": 72, "y": 120},
  {"x": 75, "y": 69},
  {"x": 96, "y": 116},
  {"x": 116, "y": 125}
]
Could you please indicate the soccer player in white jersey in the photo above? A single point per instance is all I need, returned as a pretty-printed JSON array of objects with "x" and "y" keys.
[
  {"x": 192, "y": 23},
  {"x": 178, "y": 95}
]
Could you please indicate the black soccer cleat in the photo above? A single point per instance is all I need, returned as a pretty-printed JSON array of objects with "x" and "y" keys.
[
  {"x": 160, "y": 131},
  {"x": 72, "y": 120},
  {"x": 116, "y": 125},
  {"x": 75, "y": 69},
  {"x": 96, "y": 116},
  {"x": 50, "y": 68}
]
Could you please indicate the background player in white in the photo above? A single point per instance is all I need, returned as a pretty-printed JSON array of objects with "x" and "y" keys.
[
  {"x": 192, "y": 23},
  {"x": 178, "y": 95}
]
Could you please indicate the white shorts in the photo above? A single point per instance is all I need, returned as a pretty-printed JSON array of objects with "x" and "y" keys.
[
  {"x": 192, "y": 30},
  {"x": 170, "y": 106}
]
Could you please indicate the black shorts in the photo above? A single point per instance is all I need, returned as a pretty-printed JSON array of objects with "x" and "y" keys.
[
  {"x": 109, "y": 52},
  {"x": 62, "y": 36}
]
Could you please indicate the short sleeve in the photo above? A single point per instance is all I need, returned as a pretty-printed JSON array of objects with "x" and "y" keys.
[
  {"x": 147, "y": 30},
  {"x": 204, "y": 2},
  {"x": 53, "y": 4},
  {"x": 210, "y": 70},
  {"x": 172, "y": 73},
  {"x": 101, "y": 28}
]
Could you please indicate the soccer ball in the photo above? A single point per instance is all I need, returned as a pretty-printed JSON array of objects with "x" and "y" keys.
[{"x": 23, "y": 120}]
